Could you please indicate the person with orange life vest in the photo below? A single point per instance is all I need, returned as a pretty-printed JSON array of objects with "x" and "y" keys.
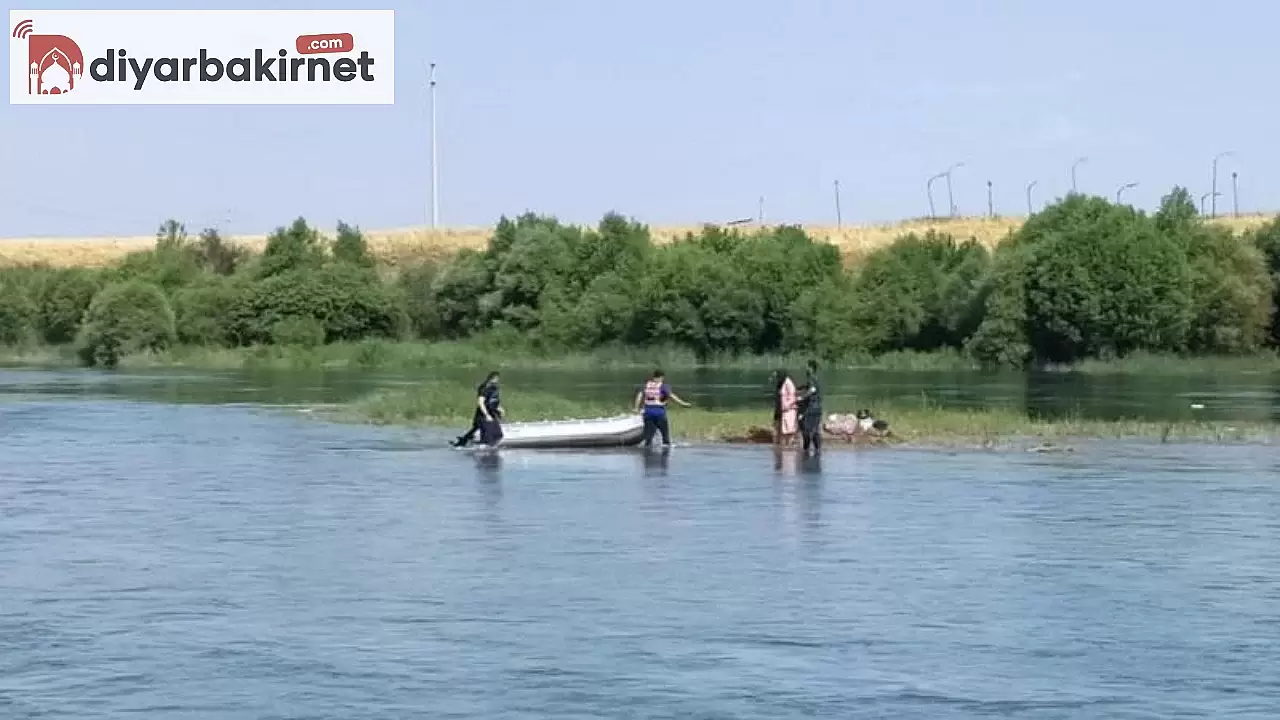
[{"x": 653, "y": 399}]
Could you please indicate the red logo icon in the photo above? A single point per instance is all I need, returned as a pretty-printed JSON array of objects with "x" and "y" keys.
[{"x": 55, "y": 61}]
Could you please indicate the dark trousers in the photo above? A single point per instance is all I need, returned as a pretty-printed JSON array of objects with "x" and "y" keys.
[
  {"x": 490, "y": 431},
  {"x": 811, "y": 431},
  {"x": 477, "y": 426},
  {"x": 656, "y": 423}
]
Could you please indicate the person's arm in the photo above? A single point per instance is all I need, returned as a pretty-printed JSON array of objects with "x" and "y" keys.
[
  {"x": 484, "y": 410},
  {"x": 676, "y": 397},
  {"x": 639, "y": 399}
]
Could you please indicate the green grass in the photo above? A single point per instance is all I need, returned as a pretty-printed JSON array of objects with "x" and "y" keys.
[{"x": 449, "y": 405}]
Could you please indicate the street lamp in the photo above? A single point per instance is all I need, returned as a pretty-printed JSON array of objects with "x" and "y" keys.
[
  {"x": 1206, "y": 197},
  {"x": 928, "y": 188},
  {"x": 1078, "y": 161},
  {"x": 950, "y": 199},
  {"x": 1214, "y": 190},
  {"x": 1235, "y": 195},
  {"x": 1122, "y": 188},
  {"x": 1030, "y": 185}
]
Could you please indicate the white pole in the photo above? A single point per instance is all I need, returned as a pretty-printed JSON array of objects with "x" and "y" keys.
[{"x": 435, "y": 156}]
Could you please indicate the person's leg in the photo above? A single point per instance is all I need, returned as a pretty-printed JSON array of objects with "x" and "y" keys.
[
  {"x": 649, "y": 428},
  {"x": 469, "y": 435},
  {"x": 665, "y": 428}
]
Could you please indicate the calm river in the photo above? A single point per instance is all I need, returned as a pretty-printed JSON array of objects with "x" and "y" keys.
[{"x": 175, "y": 547}]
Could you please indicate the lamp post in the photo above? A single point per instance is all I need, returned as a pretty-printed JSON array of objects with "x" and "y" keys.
[
  {"x": 1122, "y": 188},
  {"x": 839, "y": 220},
  {"x": 950, "y": 199},
  {"x": 1030, "y": 185},
  {"x": 991, "y": 207},
  {"x": 1214, "y": 190},
  {"x": 435, "y": 155},
  {"x": 1235, "y": 195},
  {"x": 928, "y": 188},
  {"x": 1078, "y": 161}
]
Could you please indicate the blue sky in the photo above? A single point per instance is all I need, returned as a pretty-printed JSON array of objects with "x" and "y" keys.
[{"x": 688, "y": 112}]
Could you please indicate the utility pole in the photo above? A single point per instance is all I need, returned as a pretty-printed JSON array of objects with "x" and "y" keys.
[
  {"x": 761, "y": 211},
  {"x": 991, "y": 207},
  {"x": 839, "y": 220},
  {"x": 435, "y": 155},
  {"x": 1235, "y": 195},
  {"x": 1030, "y": 185}
]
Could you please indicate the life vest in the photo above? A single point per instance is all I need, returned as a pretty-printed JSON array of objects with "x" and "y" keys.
[{"x": 653, "y": 393}]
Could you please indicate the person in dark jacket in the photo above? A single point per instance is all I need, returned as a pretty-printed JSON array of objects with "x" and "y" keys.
[
  {"x": 487, "y": 413},
  {"x": 809, "y": 403}
]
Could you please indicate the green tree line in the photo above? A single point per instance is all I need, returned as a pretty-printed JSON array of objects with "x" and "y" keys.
[{"x": 1083, "y": 278}]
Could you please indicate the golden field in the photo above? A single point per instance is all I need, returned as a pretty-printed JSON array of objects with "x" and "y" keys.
[{"x": 397, "y": 246}]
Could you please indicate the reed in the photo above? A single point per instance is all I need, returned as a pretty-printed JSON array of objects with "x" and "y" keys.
[{"x": 399, "y": 246}]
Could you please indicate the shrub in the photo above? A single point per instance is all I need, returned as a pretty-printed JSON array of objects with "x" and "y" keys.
[
  {"x": 124, "y": 318},
  {"x": 1105, "y": 284},
  {"x": 63, "y": 300},
  {"x": 203, "y": 311},
  {"x": 351, "y": 303},
  {"x": 1267, "y": 240},
  {"x": 17, "y": 315},
  {"x": 351, "y": 247},
  {"x": 298, "y": 247},
  {"x": 217, "y": 255},
  {"x": 306, "y": 332}
]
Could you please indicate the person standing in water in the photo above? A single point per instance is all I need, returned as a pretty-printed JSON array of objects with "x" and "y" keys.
[
  {"x": 485, "y": 418},
  {"x": 809, "y": 404},
  {"x": 788, "y": 409},
  {"x": 653, "y": 399}
]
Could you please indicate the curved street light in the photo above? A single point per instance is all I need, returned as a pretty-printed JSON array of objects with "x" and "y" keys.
[
  {"x": 928, "y": 188},
  {"x": 1078, "y": 161},
  {"x": 1030, "y": 185},
  {"x": 1122, "y": 188}
]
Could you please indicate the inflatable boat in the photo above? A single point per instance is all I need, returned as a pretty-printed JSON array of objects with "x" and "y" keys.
[{"x": 617, "y": 431}]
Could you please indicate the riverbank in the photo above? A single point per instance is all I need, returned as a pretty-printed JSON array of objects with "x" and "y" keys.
[
  {"x": 445, "y": 405},
  {"x": 482, "y": 355}
]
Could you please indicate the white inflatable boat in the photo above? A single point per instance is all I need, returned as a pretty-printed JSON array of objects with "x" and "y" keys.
[{"x": 617, "y": 431}]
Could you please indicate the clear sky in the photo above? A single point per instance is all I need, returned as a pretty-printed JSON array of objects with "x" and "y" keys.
[{"x": 688, "y": 111}]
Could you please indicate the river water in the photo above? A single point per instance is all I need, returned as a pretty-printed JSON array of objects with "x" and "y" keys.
[{"x": 170, "y": 548}]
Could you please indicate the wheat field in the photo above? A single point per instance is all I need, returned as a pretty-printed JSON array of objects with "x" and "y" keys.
[{"x": 404, "y": 245}]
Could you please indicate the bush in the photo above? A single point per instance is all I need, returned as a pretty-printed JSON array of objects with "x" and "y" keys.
[
  {"x": 350, "y": 303},
  {"x": 306, "y": 332},
  {"x": 62, "y": 302},
  {"x": 203, "y": 311},
  {"x": 17, "y": 315},
  {"x": 298, "y": 247},
  {"x": 125, "y": 318},
  {"x": 350, "y": 247},
  {"x": 1267, "y": 240}
]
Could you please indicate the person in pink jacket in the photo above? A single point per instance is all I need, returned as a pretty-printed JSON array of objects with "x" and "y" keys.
[{"x": 785, "y": 431}]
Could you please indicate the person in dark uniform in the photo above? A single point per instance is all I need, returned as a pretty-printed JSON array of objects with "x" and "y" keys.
[
  {"x": 651, "y": 403},
  {"x": 809, "y": 403},
  {"x": 488, "y": 411}
]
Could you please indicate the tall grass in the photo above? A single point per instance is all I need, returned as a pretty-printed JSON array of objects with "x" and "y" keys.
[{"x": 403, "y": 245}]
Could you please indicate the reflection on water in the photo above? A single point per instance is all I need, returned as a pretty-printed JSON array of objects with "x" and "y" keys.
[{"x": 1222, "y": 396}]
